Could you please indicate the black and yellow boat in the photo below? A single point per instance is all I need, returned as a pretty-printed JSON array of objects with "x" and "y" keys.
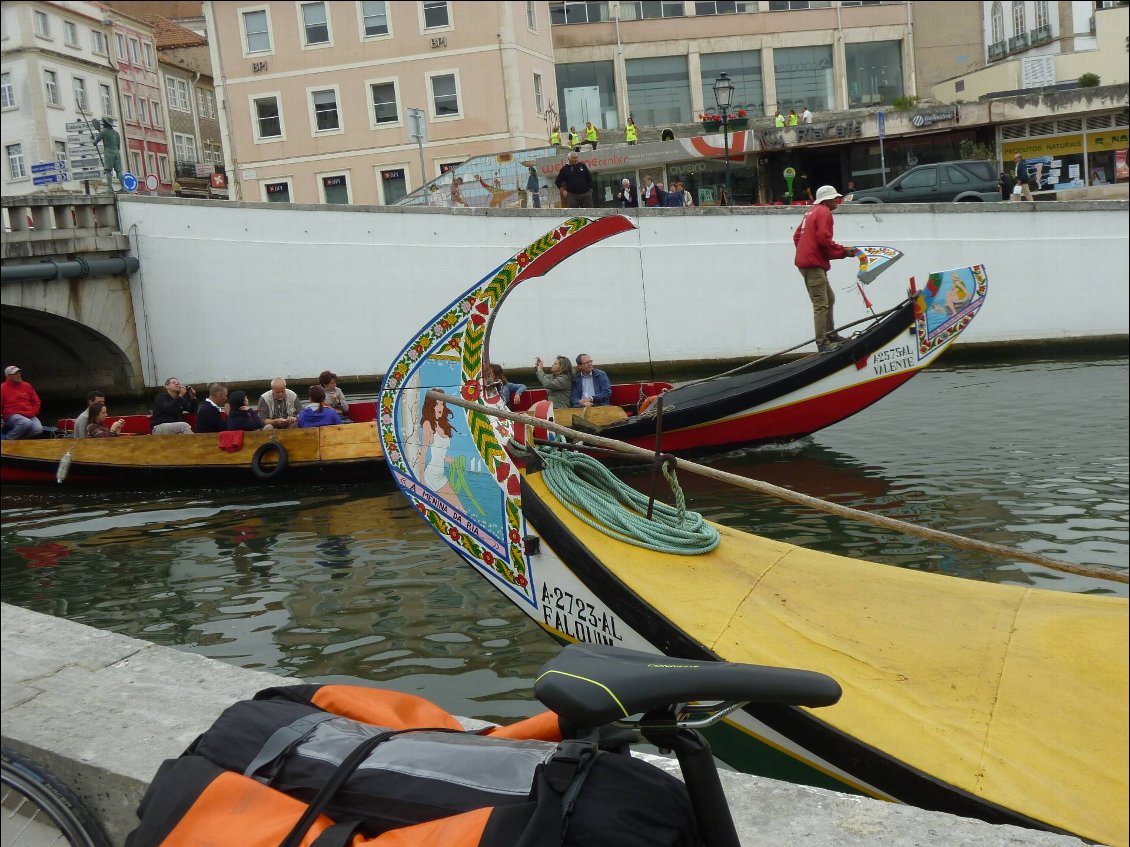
[{"x": 999, "y": 702}]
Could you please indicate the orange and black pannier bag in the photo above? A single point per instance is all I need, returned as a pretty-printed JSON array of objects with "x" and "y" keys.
[{"x": 346, "y": 766}]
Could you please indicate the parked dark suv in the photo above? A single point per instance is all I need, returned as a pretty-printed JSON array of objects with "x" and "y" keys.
[{"x": 965, "y": 181}]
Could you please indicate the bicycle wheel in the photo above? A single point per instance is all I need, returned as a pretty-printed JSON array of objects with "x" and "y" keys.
[{"x": 38, "y": 809}]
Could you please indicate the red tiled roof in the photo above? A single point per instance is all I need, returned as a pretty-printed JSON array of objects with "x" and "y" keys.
[{"x": 168, "y": 34}]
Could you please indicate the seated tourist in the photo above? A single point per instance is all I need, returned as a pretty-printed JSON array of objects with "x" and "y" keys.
[
  {"x": 20, "y": 406},
  {"x": 210, "y": 415},
  {"x": 591, "y": 387},
  {"x": 507, "y": 390},
  {"x": 170, "y": 407},
  {"x": 96, "y": 413},
  {"x": 82, "y": 420},
  {"x": 317, "y": 413},
  {"x": 279, "y": 406},
  {"x": 558, "y": 382},
  {"x": 335, "y": 399},
  {"x": 241, "y": 415}
]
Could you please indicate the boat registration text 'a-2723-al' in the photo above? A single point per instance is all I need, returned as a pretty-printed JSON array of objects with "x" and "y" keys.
[
  {"x": 578, "y": 618},
  {"x": 893, "y": 359}
]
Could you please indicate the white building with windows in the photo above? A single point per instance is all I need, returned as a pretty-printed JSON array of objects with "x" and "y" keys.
[
  {"x": 317, "y": 98},
  {"x": 55, "y": 68}
]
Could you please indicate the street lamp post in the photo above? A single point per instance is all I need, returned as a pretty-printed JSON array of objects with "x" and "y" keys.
[{"x": 724, "y": 97}]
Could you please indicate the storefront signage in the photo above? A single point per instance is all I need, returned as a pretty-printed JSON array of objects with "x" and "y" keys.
[
  {"x": 824, "y": 132},
  {"x": 256, "y": 67},
  {"x": 397, "y": 174},
  {"x": 686, "y": 169},
  {"x": 333, "y": 181},
  {"x": 277, "y": 188},
  {"x": 921, "y": 119}
]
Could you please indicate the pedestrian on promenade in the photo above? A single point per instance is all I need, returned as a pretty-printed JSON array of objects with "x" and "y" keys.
[
  {"x": 575, "y": 181},
  {"x": 1021, "y": 174},
  {"x": 591, "y": 135},
  {"x": 631, "y": 131}
]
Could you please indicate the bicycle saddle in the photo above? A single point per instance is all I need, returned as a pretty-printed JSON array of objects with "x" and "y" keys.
[{"x": 592, "y": 685}]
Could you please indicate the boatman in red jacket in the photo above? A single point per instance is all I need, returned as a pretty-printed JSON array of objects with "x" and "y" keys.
[
  {"x": 20, "y": 406},
  {"x": 815, "y": 249}
]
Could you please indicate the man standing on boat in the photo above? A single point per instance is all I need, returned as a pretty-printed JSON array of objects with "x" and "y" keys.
[{"x": 814, "y": 250}]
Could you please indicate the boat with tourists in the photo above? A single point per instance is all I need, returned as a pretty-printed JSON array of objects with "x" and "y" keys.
[
  {"x": 325, "y": 453},
  {"x": 1000, "y": 702}
]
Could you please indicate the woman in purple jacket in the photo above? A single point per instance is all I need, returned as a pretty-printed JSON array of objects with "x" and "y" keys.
[{"x": 317, "y": 413}]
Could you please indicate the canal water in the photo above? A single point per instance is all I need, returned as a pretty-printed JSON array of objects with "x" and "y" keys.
[{"x": 346, "y": 583}]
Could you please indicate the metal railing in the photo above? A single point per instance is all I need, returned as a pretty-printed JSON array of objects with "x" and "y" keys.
[
  {"x": 1040, "y": 34},
  {"x": 1018, "y": 42}
]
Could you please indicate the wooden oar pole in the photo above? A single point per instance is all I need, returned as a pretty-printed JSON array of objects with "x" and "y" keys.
[{"x": 760, "y": 487}]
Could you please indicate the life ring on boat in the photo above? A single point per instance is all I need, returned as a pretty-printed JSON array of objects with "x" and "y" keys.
[
  {"x": 647, "y": 403},
  {"x": 274, "y": 470}
]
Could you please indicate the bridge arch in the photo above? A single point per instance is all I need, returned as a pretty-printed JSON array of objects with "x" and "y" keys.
[{"x": 64, "y": 358}]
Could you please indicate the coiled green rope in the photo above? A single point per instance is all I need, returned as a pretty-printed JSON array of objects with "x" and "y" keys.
[{"x": 590, "y": 492}]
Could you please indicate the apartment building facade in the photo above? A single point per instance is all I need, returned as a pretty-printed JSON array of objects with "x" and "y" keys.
[
  {"x": 55, "y": 68},
  {"x": 319, "y": 100},
  {"x": 145, "y": 148}
]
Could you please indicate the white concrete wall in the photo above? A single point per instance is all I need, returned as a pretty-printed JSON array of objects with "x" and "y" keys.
[{"x": 244, "y": 291}]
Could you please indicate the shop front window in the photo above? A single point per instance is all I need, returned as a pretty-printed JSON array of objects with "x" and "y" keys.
[
  {"x": 874, "y": 73},
  {"x": 336, "y": 189},
  {"x": 394, "y": 185},
  {"x": 744, "y": 69},
  {"x": 587, "y": 92},
  {"x": 659, "y": 90},
  {"x": 804, "y": 78}
]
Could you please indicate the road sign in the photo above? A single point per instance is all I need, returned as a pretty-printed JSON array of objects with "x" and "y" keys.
[
  {"x": 79, "y": 138},
  {"x": 48, "y": 179},
  {"x": 86, "y": 165},
  {"x": 417, "y": 126},
  {"x": 882, "y": 125},
  {"x": 82, "y": 176},
  {"x": 151, "y": 182},
  {"x": 77, "y": 126},
  {"x": 48, "y": 167},
  {"x": 129, "y": 182}
]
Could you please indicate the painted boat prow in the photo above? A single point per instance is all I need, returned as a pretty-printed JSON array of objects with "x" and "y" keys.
[{"x": 947, "y": 701}]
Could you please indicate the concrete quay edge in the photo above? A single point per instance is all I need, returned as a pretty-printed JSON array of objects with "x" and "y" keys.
[{"x": 101, "y": 711}]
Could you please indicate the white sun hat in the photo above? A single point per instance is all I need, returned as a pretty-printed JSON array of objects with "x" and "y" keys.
[{"x": 826, "y": 192}]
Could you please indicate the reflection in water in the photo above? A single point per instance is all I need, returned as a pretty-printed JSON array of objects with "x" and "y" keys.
[{"x": 336, "y": 583}]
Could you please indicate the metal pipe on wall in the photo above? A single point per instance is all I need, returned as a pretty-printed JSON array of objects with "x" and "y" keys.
[{"x": 77, "y": 269}]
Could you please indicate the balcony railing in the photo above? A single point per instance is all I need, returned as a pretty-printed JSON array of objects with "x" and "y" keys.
[
  {"x": 997, "y": 50},
  {"x": 1040, "y": 34},
  {"x": 1018, "y": 42}
]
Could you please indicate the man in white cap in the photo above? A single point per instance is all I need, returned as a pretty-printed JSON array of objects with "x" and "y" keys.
[
  {"x": 815, "y": 248},
  {"x": 19, "y": 405}
]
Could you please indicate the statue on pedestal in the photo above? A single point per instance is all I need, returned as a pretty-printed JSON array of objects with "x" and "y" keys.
[{"x": 111, "y": 150}]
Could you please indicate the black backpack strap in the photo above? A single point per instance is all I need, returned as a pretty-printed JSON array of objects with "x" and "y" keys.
[
  {"x": 327, "y": 791},
  {"x": 559, "y": 782},
  {"x": 338, "y": 835},
  {"x": 283, "y": 740}
]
